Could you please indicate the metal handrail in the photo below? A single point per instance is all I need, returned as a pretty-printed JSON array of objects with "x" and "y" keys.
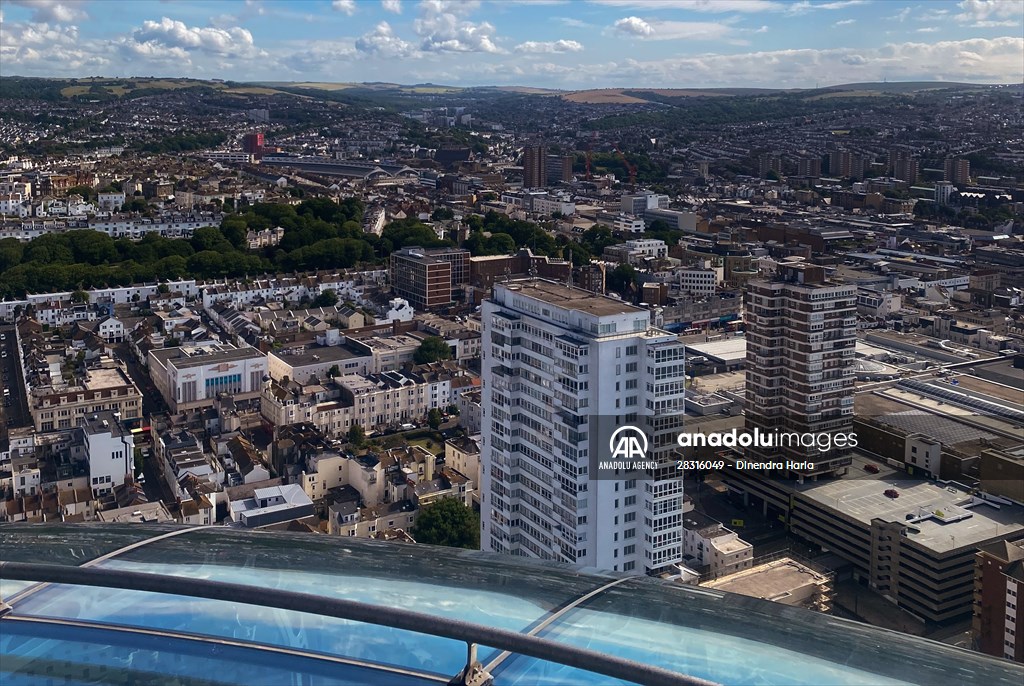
[{"x": 470, "y": 633}]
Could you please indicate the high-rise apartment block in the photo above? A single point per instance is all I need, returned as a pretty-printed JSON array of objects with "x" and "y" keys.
[
  {"x": 808, "y": 166},
  {"x": 846, "y": 164},
  {"x": 998, "y": 587},
  {"x": 801, "y": 333},
  {"x": 428, "y": 277},
  {"x": 957, "y": 171},
  {"x": 559, "y": 169},
  {"x": 903, "y": 165},
  {"x": 253, "y": 143},
  {"x": 535, "y": 159},
  {"x": 558, "y": 362},
  {"x": 769, "y": 163}
]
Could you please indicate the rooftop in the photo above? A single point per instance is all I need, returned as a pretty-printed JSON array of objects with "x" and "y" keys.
[
  {"x": 315, "y": 355},
  {"x": 769, "y": 580},
  {"x": 570, "y": 298},
  {"x": 198, "y": 356},
  {"x": 864, "y": 499}
]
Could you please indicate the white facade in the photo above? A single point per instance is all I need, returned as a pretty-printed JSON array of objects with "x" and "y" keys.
[
  {"x": 110, "y": 202},
  {"x": 629, "y": 224},
  {"x": 637, "y": 205},
  {"x": 555, "y": 360},
  {"x": 697, "y": 281},
  {"x": 111, "y": 452},
  {"x": 193, "y": 376}
]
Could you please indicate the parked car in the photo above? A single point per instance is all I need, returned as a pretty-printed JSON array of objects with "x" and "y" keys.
[
  {"x": 871, "y": 468},
  {"x": 892, "y": 493}
]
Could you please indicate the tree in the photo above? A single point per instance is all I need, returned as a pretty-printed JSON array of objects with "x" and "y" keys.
[
  {"x": 453, "y": 410},
  {"x": 356, "y": 435},
  {"x": 432, "y": 349},
  {"x": 163, "y": 288},
  {"x": 329, "y": 298},
  {"x": 442, "y": 213},
  {"x": 79, "y": 297},
  {"x": 447, "y": 522},
  {"x": 434, "y": 418}
]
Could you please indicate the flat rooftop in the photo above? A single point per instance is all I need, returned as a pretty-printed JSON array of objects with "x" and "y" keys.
[
  {"x": 97, "y": 379},
  {"x": 769, "y": 581},
  {"x": 198, "y": 356},
  {"x": 571, "y": 298},
  {"x": 314, "y": 355},
  {"x": 863, "y": 499},
  {"x": 732, "y": 349}
]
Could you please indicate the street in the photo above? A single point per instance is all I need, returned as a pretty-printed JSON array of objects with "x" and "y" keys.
[
  {"x": 152, "y": 401},
  {"x": 15, "y": 411}
]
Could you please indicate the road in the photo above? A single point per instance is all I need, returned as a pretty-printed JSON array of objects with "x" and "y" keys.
[
  {"x": 152, "y": 402},
  {"x": 15, "y": 414}
]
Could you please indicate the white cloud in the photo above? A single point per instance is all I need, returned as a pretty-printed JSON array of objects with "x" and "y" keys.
[
  {"x": 442, "y": 30},
  {"x": 902, "y": 15},
  {"x": 806, "y": 6},
  {"x": 710, "y": 6},
  {"x": 234, "y": 41},
  {"x": 994, "y": 23},
  {"x": 981, "y": 12},
  {"x": 346, "y": 6},
  {"x": 383, "y": 42},
  {"x": 549, "y": 46},
  {"x": 576, "y": 23},
  {"x": 845, "y": 22},
  {"x": 52, "y": 11},
  {"x": 654, "y": 29},
  {"x": 928, "y": 29},
  {"x": 393, "y": 6},
  {"x": 634, "y": 26}
]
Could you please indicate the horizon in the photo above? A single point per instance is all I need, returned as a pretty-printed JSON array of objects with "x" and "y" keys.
[{"x": 547, "y": 44}]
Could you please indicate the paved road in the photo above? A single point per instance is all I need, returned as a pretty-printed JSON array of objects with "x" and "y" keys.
[
  {"x": 152, "y": 401},
  {"x": 16, "y": 413}
]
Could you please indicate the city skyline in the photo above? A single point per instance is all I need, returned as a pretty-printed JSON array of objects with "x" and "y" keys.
[{"x": 540, "y": 43}]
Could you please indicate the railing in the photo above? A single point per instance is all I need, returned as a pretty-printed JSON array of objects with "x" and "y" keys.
[{"x": 467, "y": 632}]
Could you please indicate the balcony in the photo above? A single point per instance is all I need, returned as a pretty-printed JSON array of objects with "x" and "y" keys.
[{"x": 134, "y": 604}]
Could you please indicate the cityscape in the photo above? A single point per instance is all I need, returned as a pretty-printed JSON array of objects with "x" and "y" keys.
[{"x": 588, "y": 342}]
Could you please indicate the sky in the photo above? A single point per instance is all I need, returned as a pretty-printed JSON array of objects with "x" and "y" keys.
[{"x": 564, "y": 44}]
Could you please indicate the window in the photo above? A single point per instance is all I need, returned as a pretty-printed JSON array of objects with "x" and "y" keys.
[{"x": 629, "y": 566}]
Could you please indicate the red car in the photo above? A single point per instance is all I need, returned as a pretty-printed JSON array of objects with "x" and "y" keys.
[
  {"x": 871, "y": 468},
  {"x": 892, "y": 493}
]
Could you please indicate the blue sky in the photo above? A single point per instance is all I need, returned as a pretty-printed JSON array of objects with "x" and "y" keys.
[{"x": 542, "y": 43}]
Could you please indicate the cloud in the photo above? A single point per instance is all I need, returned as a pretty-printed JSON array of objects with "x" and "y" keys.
[
  {"x": 654, "y": 29},
  {"x": 52, "y": 11},
  {"x": 383, "y": 42},
  {"x": 575, "y": 23},
  {"x": 982, "y": 12},
  {"x": 558, "y": 46},
  {"x": 845, "y": 22},
  {"x": 442, "y": 30},
  {"x": 393, "y": 6},
  {"x": 634, "y": 26},
  {"x": 928, "y": 29},
  {"x": 710, "y": 6},
  {"x": 170, "y": 33},
  {"x": 345, "y": 6},
  {"x": 806, "y": 6}
]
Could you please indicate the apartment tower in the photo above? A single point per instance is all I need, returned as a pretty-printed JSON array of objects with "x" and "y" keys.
[
  {"x": 563, "y": 369},
  {"x": 535, "y": 159}
]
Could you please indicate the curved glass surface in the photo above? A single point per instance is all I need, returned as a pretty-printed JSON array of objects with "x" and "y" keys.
[{"x": 709, "y": 634}]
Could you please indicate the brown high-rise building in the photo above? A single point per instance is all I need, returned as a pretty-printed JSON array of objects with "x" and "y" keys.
[
  {"x": 808, "y": 166},
  {"x": 958, "y": 170},
  {"x": 801, "y": 332},
  {"x": 535, "y": 159},
  {"x": 903, "y": 165},
  {"x": 998, "y": 588},
  {"x": 846, "y": 164}
]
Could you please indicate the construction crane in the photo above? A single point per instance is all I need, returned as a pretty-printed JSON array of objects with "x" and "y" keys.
[{"x": 630, "y": 167}]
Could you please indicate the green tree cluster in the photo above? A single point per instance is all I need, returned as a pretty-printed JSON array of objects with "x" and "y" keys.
[{"x": 447, "y": 522}]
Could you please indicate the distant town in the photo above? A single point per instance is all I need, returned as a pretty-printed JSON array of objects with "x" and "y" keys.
[{"x": 420, "y": 315}]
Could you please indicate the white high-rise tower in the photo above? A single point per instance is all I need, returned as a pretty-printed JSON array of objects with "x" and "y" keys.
[{"x": 562, "y": 369}]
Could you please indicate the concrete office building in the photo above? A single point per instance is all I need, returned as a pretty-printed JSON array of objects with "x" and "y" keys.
[
  {"x": 111, "y": 451},
  {"x": 428, "y": 277},
  {"x": 558, "y": 361}
]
